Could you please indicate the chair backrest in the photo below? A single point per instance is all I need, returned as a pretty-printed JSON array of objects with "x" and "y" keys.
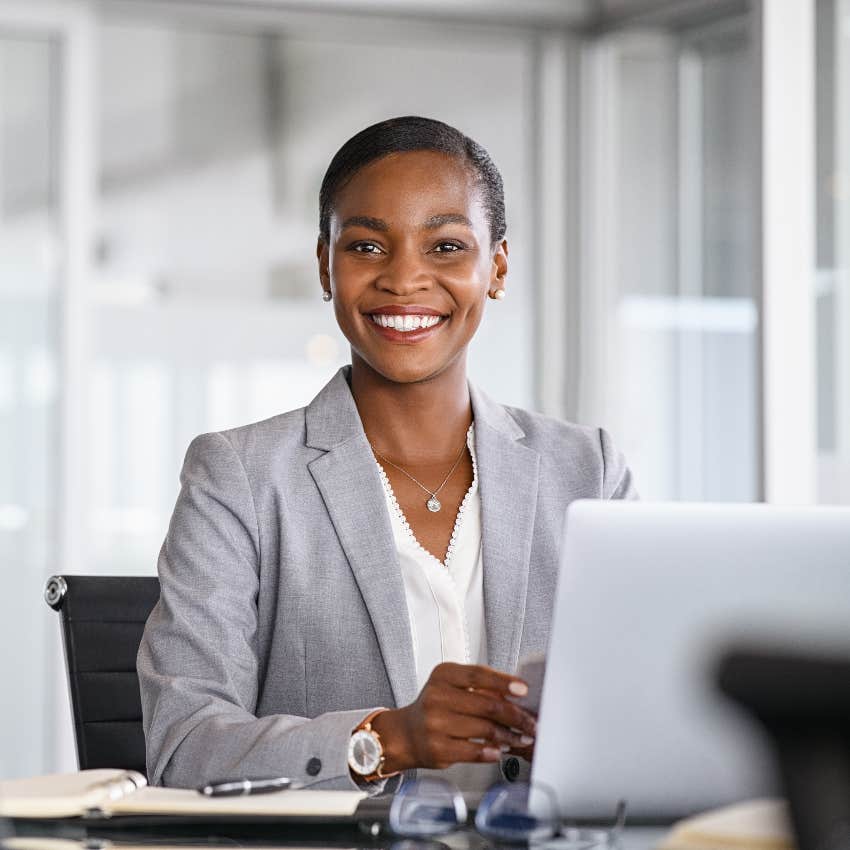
[{"x": 102, "y": 622}]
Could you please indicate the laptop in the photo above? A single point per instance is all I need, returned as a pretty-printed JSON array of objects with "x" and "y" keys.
[{"x": 650, "y": 596}]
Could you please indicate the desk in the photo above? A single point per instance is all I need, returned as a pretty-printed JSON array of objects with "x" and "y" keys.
[{"x": 64, "y": 835}]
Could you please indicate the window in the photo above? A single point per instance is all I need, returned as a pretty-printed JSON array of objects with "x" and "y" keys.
[{"x": 832, "y": 286}]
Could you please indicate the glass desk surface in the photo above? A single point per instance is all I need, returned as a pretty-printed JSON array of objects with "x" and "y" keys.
[{"x": 65, "y": 835}]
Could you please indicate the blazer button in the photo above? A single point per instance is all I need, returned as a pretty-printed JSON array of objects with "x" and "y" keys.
[
  {"x": 314, "y": 766},
  {"x": 510, "y": 769}
]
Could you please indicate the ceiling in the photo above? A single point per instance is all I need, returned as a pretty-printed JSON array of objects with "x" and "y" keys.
[{"x": 590, "y": 14}]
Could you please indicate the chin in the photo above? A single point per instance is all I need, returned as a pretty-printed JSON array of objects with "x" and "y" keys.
[
  {"x": 403, "y": 370},
  {"x": 409, "y": 374}
]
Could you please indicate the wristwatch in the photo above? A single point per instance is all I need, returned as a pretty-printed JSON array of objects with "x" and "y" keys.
[{"x": 365, "y": 753}]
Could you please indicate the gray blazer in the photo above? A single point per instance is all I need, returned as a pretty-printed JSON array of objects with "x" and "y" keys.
[{"x": 282, "y": 617}]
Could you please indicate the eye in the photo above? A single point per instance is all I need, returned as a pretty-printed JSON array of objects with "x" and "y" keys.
[
  {"x": 448, "y": 247},
  {"x": 366, "y": 248}
]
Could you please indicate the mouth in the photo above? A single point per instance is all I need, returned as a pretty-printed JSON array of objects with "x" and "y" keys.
[{"x": 406, "y": 324}]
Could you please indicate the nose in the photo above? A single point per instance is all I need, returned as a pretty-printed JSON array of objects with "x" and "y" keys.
[{"x": 405, "y": 273}]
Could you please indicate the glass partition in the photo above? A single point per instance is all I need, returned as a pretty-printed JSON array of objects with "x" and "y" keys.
[
  {"x": 30, "y": 259},
  {"x": 832, "y": 292},
  {"x": 669, "y": 292}
]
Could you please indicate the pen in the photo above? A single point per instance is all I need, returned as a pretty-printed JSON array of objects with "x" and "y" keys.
[{"x": 244, "y": 787}]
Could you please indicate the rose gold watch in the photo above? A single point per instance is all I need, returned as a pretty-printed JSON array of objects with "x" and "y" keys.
[{"x": 365, "y": 751}]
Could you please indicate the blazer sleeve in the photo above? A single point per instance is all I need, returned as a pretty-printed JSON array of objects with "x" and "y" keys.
[
  {"x": 198, "y": 659},
  {"x": 617, "y": 480}
]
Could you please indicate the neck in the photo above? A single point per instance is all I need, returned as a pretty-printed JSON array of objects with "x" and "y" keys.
[{"x": 420, "y": 422}]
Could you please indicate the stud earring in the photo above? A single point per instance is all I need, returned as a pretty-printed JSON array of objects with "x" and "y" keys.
[
  {"x": 497, "y": 294},
  {"x": 326, "y": 295}
]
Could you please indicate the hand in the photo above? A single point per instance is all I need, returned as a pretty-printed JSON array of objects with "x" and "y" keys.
[{"x": 461, "y": 715}]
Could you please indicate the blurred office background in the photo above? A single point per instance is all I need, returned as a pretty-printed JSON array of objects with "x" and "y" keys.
[{"x": 678, "y": 191}]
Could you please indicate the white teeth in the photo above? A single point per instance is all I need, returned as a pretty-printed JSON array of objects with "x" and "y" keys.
[{"x": 405, "y": 324}]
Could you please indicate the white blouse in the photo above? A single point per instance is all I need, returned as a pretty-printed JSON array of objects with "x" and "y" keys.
[
  {"x": 445, "y": 602},
  {"x": 445, "y": 599}
]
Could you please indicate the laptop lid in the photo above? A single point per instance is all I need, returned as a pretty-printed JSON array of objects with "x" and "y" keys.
[{"x": 649, "y": 596}]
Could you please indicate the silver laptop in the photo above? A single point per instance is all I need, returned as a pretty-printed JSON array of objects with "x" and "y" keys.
[{"x": 649, "y": 595}]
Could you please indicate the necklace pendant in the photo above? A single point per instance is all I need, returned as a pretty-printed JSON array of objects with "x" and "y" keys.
[{"x": 433, "y": 504}]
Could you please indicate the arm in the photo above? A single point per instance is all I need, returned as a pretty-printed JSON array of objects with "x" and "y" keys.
[{"x": 198, "y": 660}]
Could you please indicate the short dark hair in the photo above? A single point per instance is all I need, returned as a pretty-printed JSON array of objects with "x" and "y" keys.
[{"x": 413, "y": 133}]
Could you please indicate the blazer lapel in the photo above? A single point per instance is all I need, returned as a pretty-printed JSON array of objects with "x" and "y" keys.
[
  {"x": 347, "y": 478},
  {"x": 508, "y": 480}
]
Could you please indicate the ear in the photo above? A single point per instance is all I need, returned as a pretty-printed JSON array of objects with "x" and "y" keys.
[
  {"x": 323, "y": 256},
  {"x": 499, "y": 265}
]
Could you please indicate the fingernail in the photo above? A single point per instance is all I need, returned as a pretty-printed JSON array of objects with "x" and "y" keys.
[
  {"x": 491, "y": 753},
  {"x": 518, "y": 689},
  {"x": 526, "y": 740}
]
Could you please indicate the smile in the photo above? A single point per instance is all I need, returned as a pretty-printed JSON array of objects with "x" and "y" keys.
[{"x": 405, "y": 324}]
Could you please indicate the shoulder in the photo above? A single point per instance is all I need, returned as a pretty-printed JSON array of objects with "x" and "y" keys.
[
  {"x": 249, "y": 449},
  {"x": 278, "y": 450},
  {"x": 551, "y": 436},
  {"x": 284, "y": 430},
  {"x": 578, "y": 451}
]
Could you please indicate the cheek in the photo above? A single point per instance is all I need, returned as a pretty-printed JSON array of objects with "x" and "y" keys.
[
  {"x": 348, "y": 279},
  {"x": 472, "y": 267},
  {"x": 471, "y": 283},
  {"x": 340, "y": 268}
]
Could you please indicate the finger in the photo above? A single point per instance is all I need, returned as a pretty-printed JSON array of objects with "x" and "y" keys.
[
  {"x": 477, "y": 676},
  {"x": 486, "y": 692},
  {"x": 449, "y": 751},
  {"x": 466, "y": 726},
  {"x": 509, "y": 697},
  {"x": 494, "y": 708},
  {"x": 512, "y": 699}
]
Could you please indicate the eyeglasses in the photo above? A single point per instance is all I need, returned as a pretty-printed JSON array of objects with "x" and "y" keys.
[
  {"x": 583, "y": 838},
  {"x": 508, "y": 813}
]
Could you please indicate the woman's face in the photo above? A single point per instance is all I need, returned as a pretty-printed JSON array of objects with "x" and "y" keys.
[{"x": 410, "y": 263}]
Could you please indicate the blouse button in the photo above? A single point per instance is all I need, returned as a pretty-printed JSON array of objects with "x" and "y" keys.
[{"x": 314, "y": 766}]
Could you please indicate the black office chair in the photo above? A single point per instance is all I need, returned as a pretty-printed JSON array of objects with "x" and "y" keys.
[{"x": 102, "y": 622}]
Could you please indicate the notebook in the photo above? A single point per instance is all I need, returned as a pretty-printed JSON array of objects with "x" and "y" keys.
[
  {"x": 109, "y": 793},
  {"x": 753, "y": 825}
]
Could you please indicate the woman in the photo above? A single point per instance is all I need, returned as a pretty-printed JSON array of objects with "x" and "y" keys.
[{"x": 347, "y": 589}]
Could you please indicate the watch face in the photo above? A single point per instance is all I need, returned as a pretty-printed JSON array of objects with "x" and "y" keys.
[{"x": 364, "y": 753}]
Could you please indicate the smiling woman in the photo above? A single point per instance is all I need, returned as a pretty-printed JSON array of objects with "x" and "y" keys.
[{"x": 347, "y": 589}]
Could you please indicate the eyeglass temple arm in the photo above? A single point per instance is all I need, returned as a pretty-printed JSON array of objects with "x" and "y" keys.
[{"x": 619, "y": 817}]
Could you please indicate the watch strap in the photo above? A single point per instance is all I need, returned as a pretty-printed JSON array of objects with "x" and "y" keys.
[
  {"x": 366, "y": 722},
  {"x": 366, "y": 726}
]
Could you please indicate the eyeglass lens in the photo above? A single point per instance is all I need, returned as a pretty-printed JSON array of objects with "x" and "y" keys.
[
  {"x": 518, "y": 813},
  {"x": 427, "y": 807}
]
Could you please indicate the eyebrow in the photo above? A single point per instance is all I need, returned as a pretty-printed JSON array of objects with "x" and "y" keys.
[
  {"x": 433, "y": 223},
  {"x": 447, "y": 218},
  {"x": 365, "y": 221}
]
